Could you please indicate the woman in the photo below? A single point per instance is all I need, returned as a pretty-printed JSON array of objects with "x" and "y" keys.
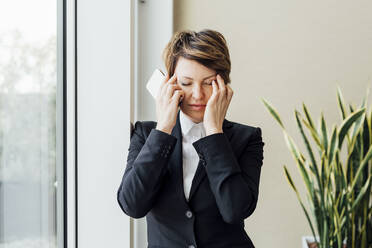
[{"x": 193, "y": 174}]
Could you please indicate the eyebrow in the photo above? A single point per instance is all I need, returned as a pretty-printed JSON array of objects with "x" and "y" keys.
[{"x": 203, "y": 78}]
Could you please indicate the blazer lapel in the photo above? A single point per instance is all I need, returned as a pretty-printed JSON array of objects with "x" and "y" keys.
[{"x": 176, "y": 159}]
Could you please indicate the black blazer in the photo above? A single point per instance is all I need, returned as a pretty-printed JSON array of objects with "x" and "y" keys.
[{"x": 224, "y": 189}]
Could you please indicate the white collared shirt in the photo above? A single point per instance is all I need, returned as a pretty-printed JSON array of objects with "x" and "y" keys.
[{"x": 191, "y": 132}]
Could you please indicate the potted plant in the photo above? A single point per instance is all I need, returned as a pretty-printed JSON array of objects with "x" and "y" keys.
[{"x": 338, "y": 191}]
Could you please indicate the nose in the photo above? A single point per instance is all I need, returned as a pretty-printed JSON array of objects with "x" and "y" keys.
[{"x": 197, "y": 92}]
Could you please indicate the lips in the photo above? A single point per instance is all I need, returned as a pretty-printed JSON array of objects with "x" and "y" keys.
[{"x": 198, "y": 105}]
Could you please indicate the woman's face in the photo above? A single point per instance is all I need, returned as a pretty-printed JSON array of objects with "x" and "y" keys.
[{"x": 196, "y": 81}]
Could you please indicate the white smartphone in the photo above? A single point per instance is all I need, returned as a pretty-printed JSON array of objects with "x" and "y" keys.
[{"x": 153, "y": 85}]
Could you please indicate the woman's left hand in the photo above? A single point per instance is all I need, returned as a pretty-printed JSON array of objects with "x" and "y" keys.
[{"x": 217, "y": 106}]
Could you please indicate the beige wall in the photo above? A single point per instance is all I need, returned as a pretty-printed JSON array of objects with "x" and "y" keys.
[{"x": 288, "y": 52}]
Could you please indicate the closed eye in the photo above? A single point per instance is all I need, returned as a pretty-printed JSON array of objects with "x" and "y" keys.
[{"x": 187, "y": 84}]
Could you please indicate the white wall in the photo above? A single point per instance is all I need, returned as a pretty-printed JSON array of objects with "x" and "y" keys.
[
  {"x": 288, "y": 52},
  {"x": 104, "y": 86}
]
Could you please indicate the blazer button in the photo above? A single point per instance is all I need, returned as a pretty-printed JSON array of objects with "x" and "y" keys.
[{"x": 188, "y": 214}]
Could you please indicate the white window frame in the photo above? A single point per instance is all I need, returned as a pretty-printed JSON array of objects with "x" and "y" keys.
[{"x": 69, "y": 123}]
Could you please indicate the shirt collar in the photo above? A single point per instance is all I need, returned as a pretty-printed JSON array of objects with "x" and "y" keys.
[{"x": 187, "y": 124}]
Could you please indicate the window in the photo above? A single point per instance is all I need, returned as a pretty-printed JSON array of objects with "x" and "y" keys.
[{"x": 29, "y": 175}]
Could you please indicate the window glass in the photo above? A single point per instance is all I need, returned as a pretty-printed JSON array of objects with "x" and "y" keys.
[{"x": 28, "y": 80}]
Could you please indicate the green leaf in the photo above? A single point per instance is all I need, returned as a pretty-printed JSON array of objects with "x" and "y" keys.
[
  {"x": 273, "y": 112},
  {"x": 333, "y": 144},
  {"x": 357, "y": 128},
  {"x": 363, "y": 105},
  {"x": 308, "y": 117},
  {"x": 337, "y": 226},
  {"x": 288, "y": 176},
  {"x": 342, "y": 175},
  {"x": 351, "y": 108},
  {"x": 361, "y": 193},
  {"x": 323, "y": 176},
  {"x": 341, "y": 103},
  {"x": 325, "y": 234},
  {"x": 361, "y": 167},
  {"x": 323, "y": 127},
  {"x": 317, "y": 211},
  {"x": 346, "y": 124},
  {"x": 314, "y": 166},
  {"x": 365, "y": 135},
  {"x": 300, "y": 162},
  {"x": 314, "y": 134},
  {"x": 291, "y": 146},
  {"x": 364, "y": 101}
]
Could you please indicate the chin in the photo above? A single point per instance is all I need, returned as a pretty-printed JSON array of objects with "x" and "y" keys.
[{"x": 196, "y": 117}]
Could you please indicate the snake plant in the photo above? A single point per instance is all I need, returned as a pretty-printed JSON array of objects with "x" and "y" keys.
[{"x": 338, "y": 190}]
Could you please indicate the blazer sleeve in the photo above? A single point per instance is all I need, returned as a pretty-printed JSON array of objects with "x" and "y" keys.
[
  {"x": 146, "y": 166},
  {"x": 234, "y": 181}
]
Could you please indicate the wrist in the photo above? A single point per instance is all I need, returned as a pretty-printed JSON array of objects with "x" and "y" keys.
[
  {"x": 164, "y": 129},
  {"x": 213, "y": 131}
]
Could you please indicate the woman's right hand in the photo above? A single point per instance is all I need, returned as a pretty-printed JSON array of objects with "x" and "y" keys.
[{"x": 167, "y": 100}]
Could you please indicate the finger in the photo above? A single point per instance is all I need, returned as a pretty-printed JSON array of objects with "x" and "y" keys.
[
  {"x": 178, "y": 95},
  {"x": 220, "y": 80},
  {"x": 222, "y": 87},
  {"x": 171, "y": 88},
  {"x": 166, "y": 83},
  {"x": 214, "y": 88}
]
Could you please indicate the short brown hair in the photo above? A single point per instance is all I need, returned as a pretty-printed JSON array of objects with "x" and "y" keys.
[{"x": 208, "y": 47}]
